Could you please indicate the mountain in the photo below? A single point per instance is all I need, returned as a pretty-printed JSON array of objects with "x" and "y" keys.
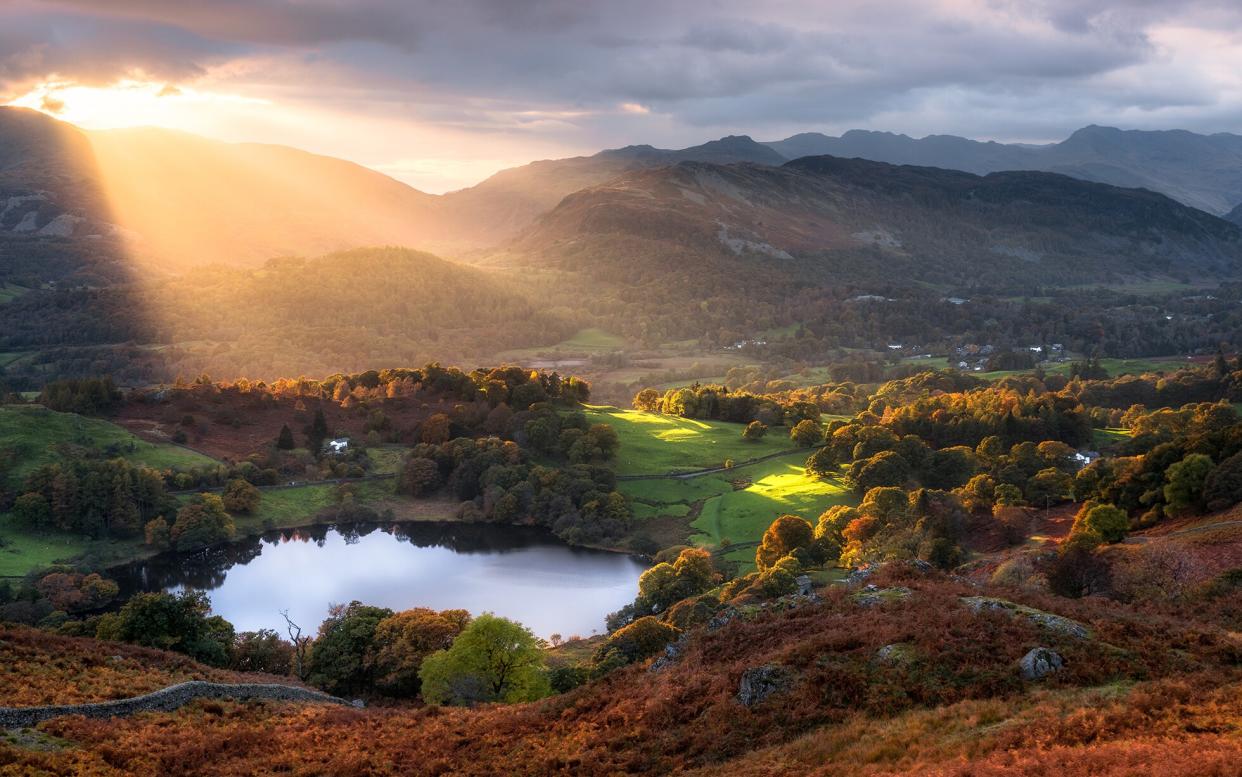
[
  {"x": 1235, "y": 215},
  {"x": 177, "y": 200},
  {"x": 829, "y": 220},
  {"x": 1203, "y": 171},
  {"x": 512, "y": 199}
]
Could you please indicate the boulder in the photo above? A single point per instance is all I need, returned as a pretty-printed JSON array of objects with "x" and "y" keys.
[
  {"x": 804, "y": 585},
  {"x": 1054, "y": 623},
  {"x": 760, "y": 682},
  {"x": 1039, "y": 663}
]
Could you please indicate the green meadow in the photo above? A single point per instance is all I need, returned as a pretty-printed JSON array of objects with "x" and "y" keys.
[
  {"x": 729, "y": 508},
  {"x": 654, "y": 444},
  {"x": 37, "y": 435}
]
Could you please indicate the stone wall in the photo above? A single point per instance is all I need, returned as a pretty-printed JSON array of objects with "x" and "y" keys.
[{"x": 163, "y": 700}]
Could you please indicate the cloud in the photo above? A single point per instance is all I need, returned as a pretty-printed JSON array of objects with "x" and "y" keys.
[{"x": 587, "y": 74}]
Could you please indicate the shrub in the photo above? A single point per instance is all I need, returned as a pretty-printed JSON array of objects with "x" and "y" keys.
[
  {"x": 786, "y": 534},
  {"x": 1109, "y": 522},
  {"x": 641, "y": 639},
  {"x": 754, "y": 431},
  {"x": 806, "y": 433},
  {"x": 493, "y": 659}
]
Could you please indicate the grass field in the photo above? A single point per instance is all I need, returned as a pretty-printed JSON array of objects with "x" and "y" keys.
[
  {"x": 1115, "y": 367},
  {"x": 1103, "y": 439},
  {"x": 736, "y": 505},
  {"x": 10, "y": 292},
  {"x": 654, "y": 444},
  {"x": 35, "y": 433}
]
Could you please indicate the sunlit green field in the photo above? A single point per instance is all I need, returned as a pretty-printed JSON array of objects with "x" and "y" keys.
[
  {"x": 35, "y": 432},
  {"x": 736, "y": 505},
  {"x": 654, "y": 444}
]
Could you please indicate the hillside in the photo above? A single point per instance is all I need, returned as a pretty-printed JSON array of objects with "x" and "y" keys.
[
  {"x": 1203, "y": 171},
  {"x": 825, "y": 220},
  {"x": 351, "y": 310},
  {"x": 913, "y": 682}
]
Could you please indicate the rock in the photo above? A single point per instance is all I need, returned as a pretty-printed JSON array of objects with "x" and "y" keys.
[
  {"x": 760, "y": 682},
  {"x": 720, "y": 619},
  {"x": 672, "y": 651},
  {"x": 895, "y": 653},
  {"x": 1039, "y": 663},
  {"x": 1054, "y": 623},
  {"x": 359, "y": 703},
  {"x": 859, "y": 576},
  {"x": 804, "y": 585},
  {"x": 871, "y": 596}
]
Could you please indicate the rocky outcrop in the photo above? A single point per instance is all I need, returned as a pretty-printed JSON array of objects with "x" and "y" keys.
[
  {"x": 1054, "y": 623},
  {"x": 1039, "y": 663},
  {"x": 164, "y": 700},
  {"x": 760, "y": 682},
  {"x": 870, "y": 596}
]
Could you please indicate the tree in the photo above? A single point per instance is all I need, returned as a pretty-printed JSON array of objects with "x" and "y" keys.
[
  {"x": 182, "y": 622},
  {"x": 436, "y": 429},
  {"x": 1078, "y": 571},
  {"x": 419, "y": 477},
  {"x": 157, "y": 533},
  {"x": 32, "y": 510},
  {"x": 340, "y": 660},
  {"x": 202, "y": 521},
  {"x": 641, "y": 639},
  {"x": 823, "y": 462},
  {"x": 1048, "y": 487},
  {"x": 301, "y": 647},
  {"x": 886, "y": 468},
  {"x": 806, "y": 433},
  {"x": 833, "y": 521},
  {"x": 665, "y": 584},
  {"x": 404, "y": 640},
  {"x": 1223, "y": 487},
  {"x": 1109, "y": 522},
  {"x": 754, "y": 431},
  {"x": 785, "y": 535},
  {"x": 493, "y": 659},
  {"x": 317, "y": 432},
  {"x": 240, "y": 496},
  {"x": 647, "y": 400},
  {"x": 261, "y": 651},
  {"x": 284, "y": 441},
  {"x": 1184, "y": 482}
]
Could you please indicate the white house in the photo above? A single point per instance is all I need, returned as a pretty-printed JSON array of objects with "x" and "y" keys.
[{"x": 339, "y": 445}]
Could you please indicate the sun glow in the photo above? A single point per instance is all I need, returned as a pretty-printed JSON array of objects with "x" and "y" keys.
[{"x": 129, "y": 103}]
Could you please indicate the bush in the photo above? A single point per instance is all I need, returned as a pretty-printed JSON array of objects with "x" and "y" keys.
[
  {"x": 181, "y": 622},
  {"x": 641, "y": 639},
  {"x": 240, "y": 497},
  {"x": 1109, "y": 522},
  {"x": 754, "y": 431},
  {"x": 262, "y": 651},
  {"x": 806, "y": 433}
]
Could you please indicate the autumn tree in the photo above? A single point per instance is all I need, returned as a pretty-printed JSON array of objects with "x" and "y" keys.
[
  {"x": 340, "y": 662},
  {"x": 404, "y": 640},
  {"x": 806, "y": 433},
  {"x": 1184, "y": 482},
  {"x": 240, "y": 496},
  {"x": 785, "y": 535},
  {"x": 202, "y": 521}
]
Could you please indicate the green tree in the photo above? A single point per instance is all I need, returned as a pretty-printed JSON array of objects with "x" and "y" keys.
[
  {"x": 1184, "y": 482},
  {"x": 886, "y": 468},
  {"x": 32, "y": 510},
  {"x": 317, "y": 432},
  {"x": 754, "y": 431},
  {"x": 181, "y": 622},
  {"x": 493, "y": 659},
  {"x": 1109, "y": 522},
  {"x": 419, "y": 477},
  {"x": 1223, "y": 487},
  {"x": 823, "y": 462},
  {"x": 284, "y": 441},
  {"x": 261, "y": 651},
  {"x": 341, "y": 659}
]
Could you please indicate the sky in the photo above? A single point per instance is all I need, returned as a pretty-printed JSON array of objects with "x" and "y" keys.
[{"x": 442, "y": 93}]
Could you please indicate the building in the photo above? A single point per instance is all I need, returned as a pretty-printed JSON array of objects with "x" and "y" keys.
[{"x": 338, "y": 446}]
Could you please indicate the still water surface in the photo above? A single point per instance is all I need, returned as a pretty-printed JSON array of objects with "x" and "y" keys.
[{"x": 519, "y": 572}]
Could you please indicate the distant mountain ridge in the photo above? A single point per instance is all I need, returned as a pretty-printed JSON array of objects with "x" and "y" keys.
[
  {"x": 1203, "y": 171},
  {"x": 826, "y": 220}
]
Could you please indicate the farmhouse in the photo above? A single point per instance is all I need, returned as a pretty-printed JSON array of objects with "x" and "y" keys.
[{"x": 339, "y": 445}]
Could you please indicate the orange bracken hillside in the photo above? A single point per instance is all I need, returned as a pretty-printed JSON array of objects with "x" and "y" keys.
[{"x": 906, "y": 679}]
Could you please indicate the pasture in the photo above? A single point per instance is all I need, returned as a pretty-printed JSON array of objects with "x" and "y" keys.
[{"x": 38, "y": 436}]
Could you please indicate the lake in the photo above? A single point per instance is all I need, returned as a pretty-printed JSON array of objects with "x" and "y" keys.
[{"x": 523, "y": 573}]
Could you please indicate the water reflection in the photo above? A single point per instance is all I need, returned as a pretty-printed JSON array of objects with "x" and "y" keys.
[{"x": 519, "y": 572}]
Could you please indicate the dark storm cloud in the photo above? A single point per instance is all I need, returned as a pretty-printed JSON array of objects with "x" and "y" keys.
[{"x": 710, "y": 63}]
